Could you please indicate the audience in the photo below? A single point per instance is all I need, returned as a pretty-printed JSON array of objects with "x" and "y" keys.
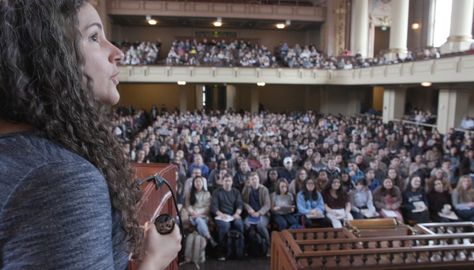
[{"x": 306, "y": 161}]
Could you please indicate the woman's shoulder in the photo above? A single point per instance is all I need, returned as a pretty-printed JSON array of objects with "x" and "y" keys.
[{"x": 33, "y": 164}]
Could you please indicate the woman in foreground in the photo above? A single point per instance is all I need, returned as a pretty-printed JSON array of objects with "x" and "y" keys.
[{"x": 66, "y": 199}]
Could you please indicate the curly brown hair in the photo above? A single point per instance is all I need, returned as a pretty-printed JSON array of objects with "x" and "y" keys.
[{"x": 41, "y": 83}]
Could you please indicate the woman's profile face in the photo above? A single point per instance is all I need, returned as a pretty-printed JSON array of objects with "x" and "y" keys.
[{"x": 100, "y": 56}]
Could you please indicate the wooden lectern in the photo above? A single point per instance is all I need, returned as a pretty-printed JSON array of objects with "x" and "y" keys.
[{"x": 154, "y": 201}]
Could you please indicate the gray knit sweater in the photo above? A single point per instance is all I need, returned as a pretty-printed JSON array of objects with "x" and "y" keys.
[{"x": 55, "y": 209}]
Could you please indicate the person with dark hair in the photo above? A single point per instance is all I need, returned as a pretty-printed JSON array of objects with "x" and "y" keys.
[
  {"x": 388, "y": 200},
  {"x": 439, "y": 201},
  {"x": 222, "y": 164},
  {"x": 273, "y": 177},
  {"x": 283, "y": 206},
  {"x": 415, "y": 203},
  {"x": 336, "y": 203},
  {"x": 227, "y": 206},
  {"x": 61, "y": 166},
  {"x": 310, "y": 204},
  {"x": 198, "y": 206},
  {"x": 299, "y": 182},
  {"x": 361, "y": 201}
]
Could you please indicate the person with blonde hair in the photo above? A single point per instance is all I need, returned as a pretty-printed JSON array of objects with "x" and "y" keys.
[{"x": 463, "y": 198}]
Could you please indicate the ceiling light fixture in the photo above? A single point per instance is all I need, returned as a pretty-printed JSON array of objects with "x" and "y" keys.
[
  {"x": 150, "y": 20},
  {"x": 426, "y": 84},
  {"x": 260, "y": 83},
  {"x": 280, "y": 25},
  {"x": 218, "y": 22},
  {"x": 181, "y": 82},
  {"x": 415, "y": 26}
]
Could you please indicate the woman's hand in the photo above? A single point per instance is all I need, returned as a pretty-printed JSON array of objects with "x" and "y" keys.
[{"x": 160, "y": 249}]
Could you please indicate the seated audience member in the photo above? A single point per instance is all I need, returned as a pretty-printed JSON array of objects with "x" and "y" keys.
[
  {"x": 310, "y": 204},
  {"x": 415, "y": 203},
  {"x": 226, "y": 206},
  {"x": 322, "y": 181},
  {"x": 397, "y": 180},
  {"x": 439, "y": 202},
  {"x": 372, "y": 181},
  {"x": 199, "y": 163},
  {"x": 222, "y": 164},
  {"x": 264, "y": 169},
  {"x": 288, "y": 171},
  {"x": 162, "y": 156},
  {"x": 361, "y": 201},
  {"x": 272, "y": 179},
  {"x": 346, "y": 182},
  {"x": 297, "y": 184},
  {"x": 388, "y": 200},
  {"x": 257, "y": 204},
  {"x": 189, "y": 182},
  {"x": 336, "y": 203},
  {"x": 463, "y": 198},
  {"x": 198, "y": 206},
  {"x": 283, "y": 206}
]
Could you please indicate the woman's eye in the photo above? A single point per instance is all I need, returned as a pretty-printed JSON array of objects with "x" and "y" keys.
[{"x": 94, "y": 37}]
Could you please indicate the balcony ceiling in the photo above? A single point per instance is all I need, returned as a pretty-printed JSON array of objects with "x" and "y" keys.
[{"x": 199, "y": 22}]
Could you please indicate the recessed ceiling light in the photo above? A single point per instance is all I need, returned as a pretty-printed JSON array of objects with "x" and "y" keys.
[
  {"x": 181, "y": 82},
  {"x": 280, "y": 25},
  {"x": 150, "y": 20},
  {"x": 415, "y": 26},
  {"x": 426, "y": 84},
  {"x": 260, "y": 83},
  {"x": 218, "y": 22}
]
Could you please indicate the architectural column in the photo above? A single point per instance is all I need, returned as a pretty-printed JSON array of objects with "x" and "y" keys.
[
  {"x": 398, "y": 29},
  {"x": 199, "y": 100},
  {"x": 231, "y": 95},
  {"x": 360, "y": 27},
  {"x": 183, "y": 99},
  {"x": 453, "y": 105},
  {"x": 393, "y": 104},
  {"x": 460, "y": 34},
  {"x": 334, "y": 28},
  {"x": 254, "y": 100}
]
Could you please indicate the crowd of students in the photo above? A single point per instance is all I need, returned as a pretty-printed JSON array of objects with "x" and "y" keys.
[
  {"x": 246, "y": 53},
  {"x": 278, "y": 171},
  {"x": 219, "y": 53}
]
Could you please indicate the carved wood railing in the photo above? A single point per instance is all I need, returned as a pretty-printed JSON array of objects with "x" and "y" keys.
[{"x": 451, "y": 248}]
